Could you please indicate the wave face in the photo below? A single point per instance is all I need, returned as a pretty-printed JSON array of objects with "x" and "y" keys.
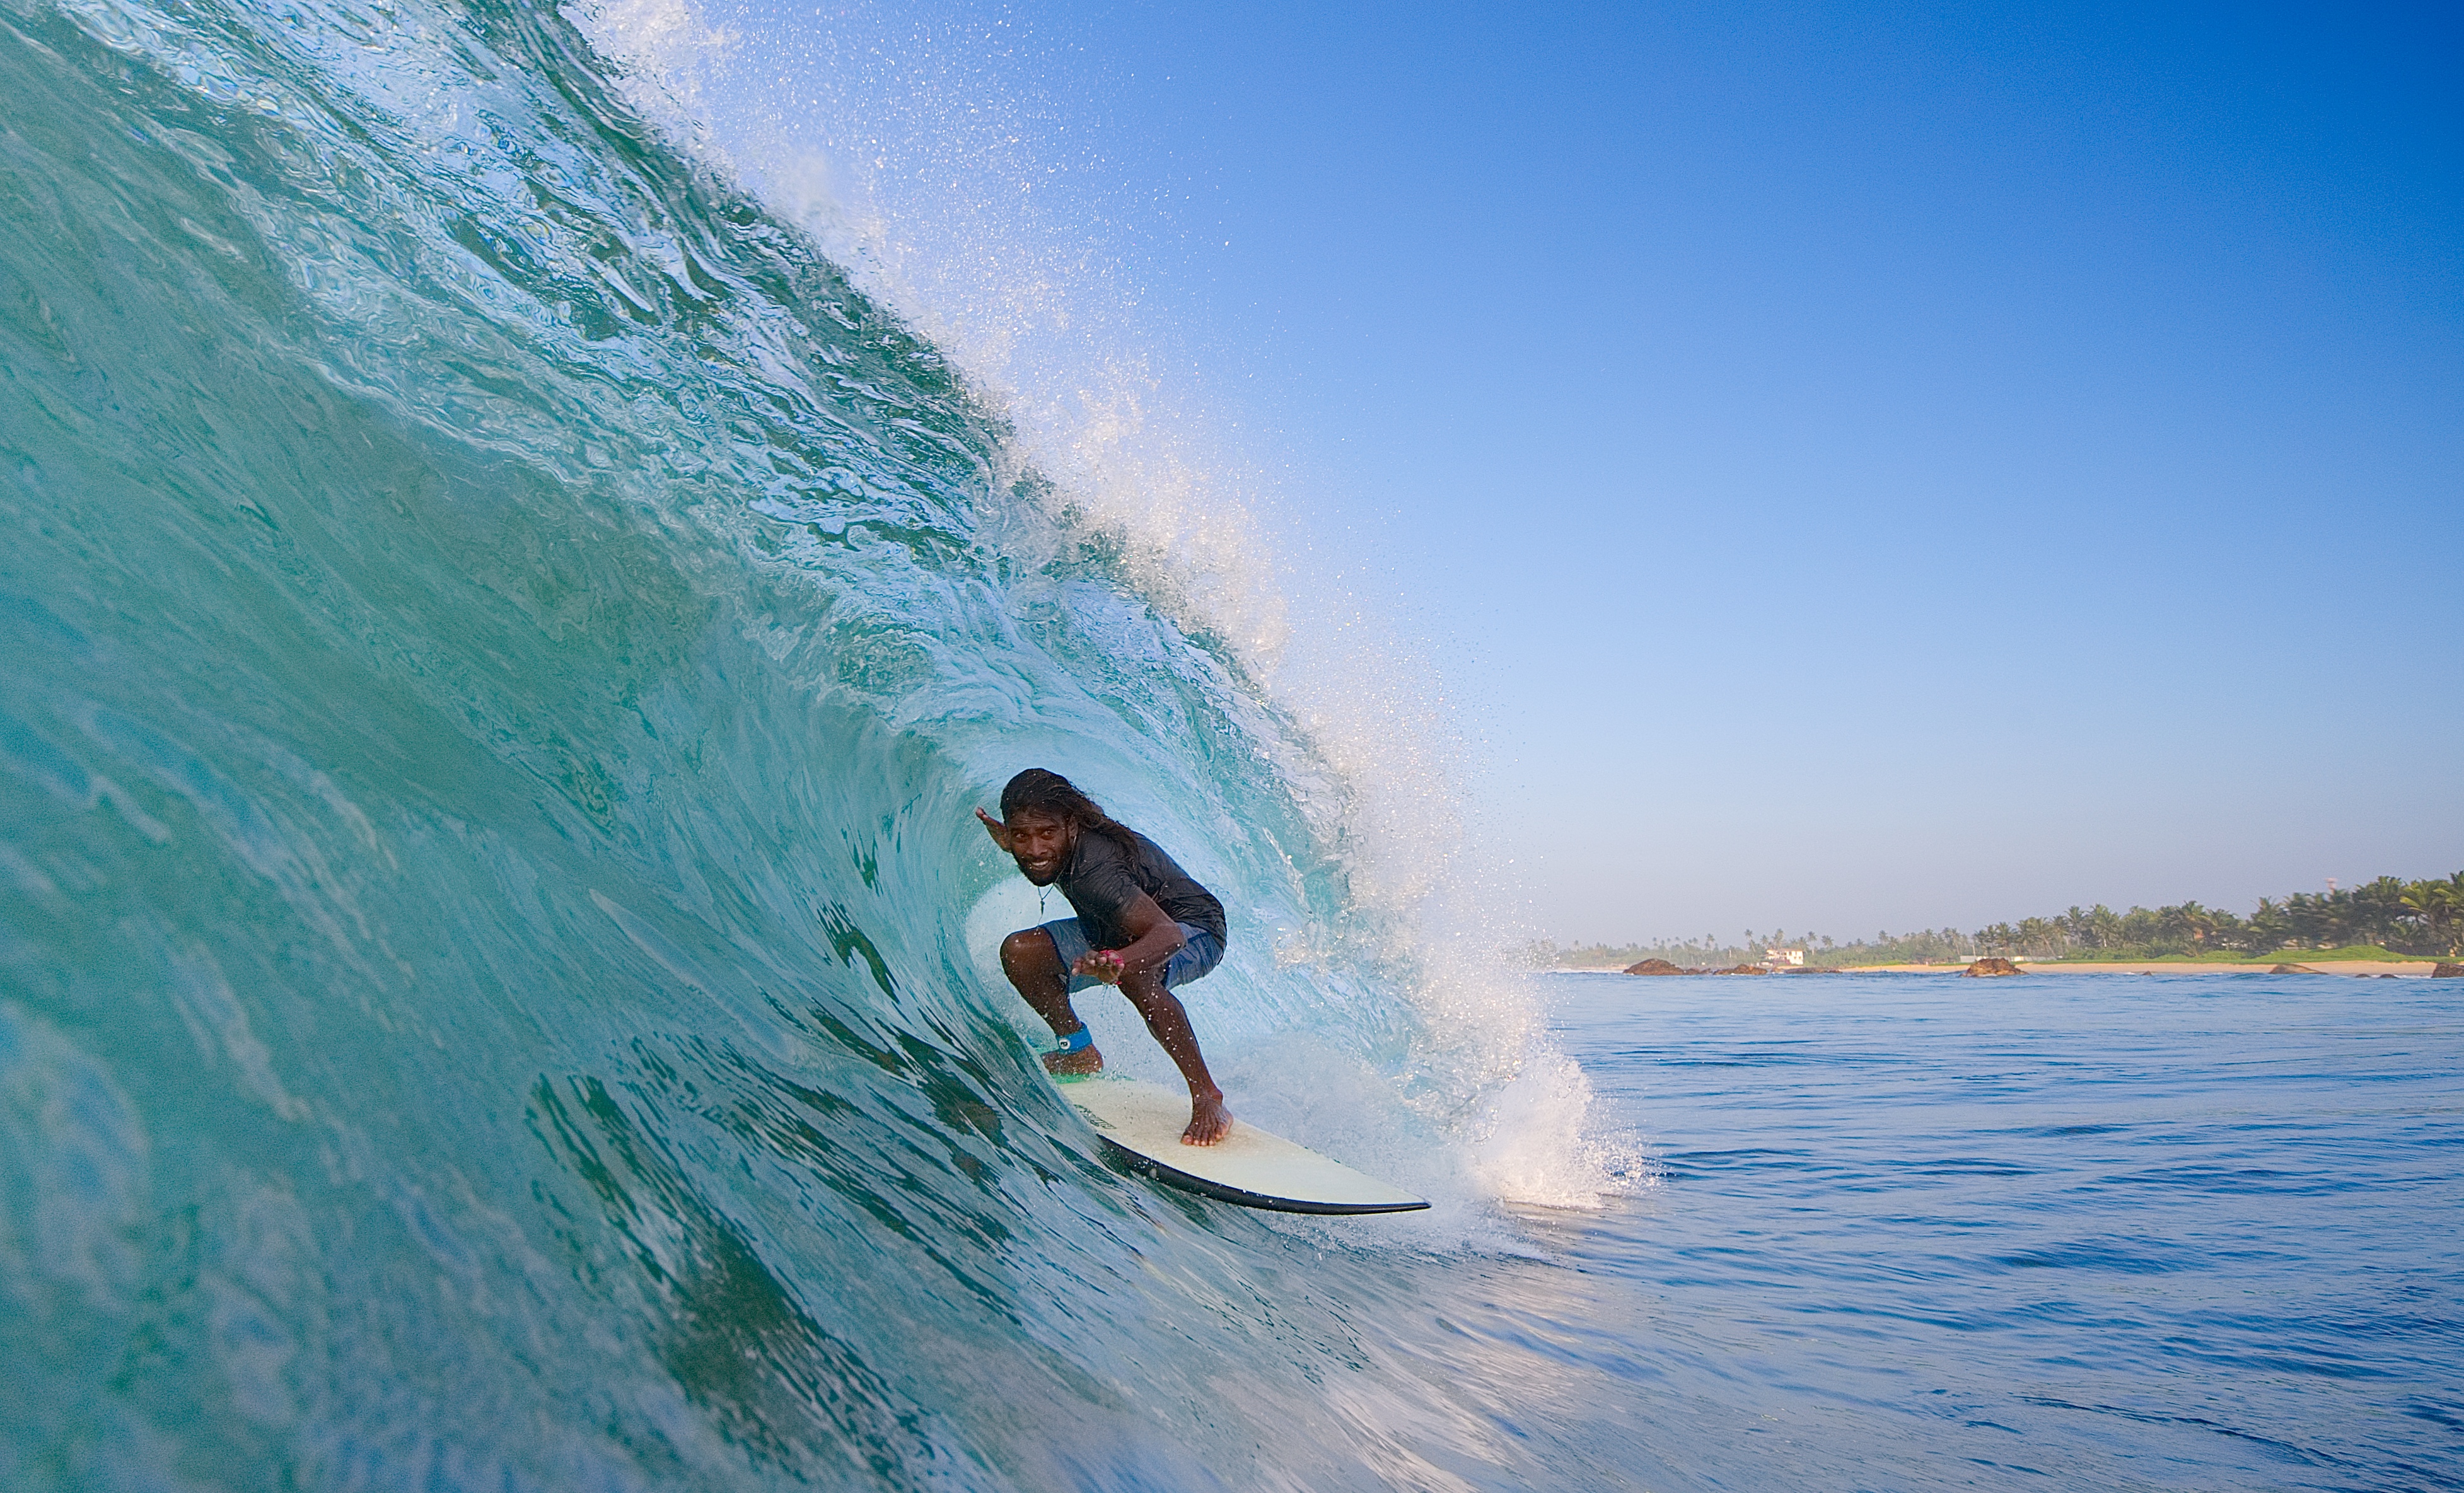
[{"x": 502, "y": 642}]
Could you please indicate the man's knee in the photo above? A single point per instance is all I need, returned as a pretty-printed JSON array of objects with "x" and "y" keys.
[{"x": 1029, "y": 952}]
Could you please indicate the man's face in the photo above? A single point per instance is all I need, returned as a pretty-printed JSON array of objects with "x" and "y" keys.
[{"x": 1040, "y": 843}]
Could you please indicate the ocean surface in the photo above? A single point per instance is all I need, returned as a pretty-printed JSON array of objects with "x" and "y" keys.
[
  {"x": 2091, "y": 1231},
  {"x": 500, "y": 637}
]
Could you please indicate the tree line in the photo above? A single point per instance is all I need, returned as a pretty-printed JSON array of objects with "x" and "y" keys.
[
  {"x": 2424, "y": 917},
  {"x": 2419, "y": 917},
  {"x": 1708, "y": 952}
]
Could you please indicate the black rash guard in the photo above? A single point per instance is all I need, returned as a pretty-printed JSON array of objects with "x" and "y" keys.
[{"x": 1102, "y": 874}]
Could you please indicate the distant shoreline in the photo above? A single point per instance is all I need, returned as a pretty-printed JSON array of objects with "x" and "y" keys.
[{"x": 2407, "y": 969}]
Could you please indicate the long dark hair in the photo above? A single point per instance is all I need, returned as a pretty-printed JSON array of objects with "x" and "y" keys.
[{"x": 1040, "y": 790}]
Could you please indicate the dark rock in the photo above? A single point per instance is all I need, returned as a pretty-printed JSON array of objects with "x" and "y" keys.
[
  {"x": 2293, "y": 969},
  {"x": 1990, "y": 966},
  {"x": 2446, "y": 970},
  {"x": 1655, "y": 967},
  {"x": 1743, "y": 969}
]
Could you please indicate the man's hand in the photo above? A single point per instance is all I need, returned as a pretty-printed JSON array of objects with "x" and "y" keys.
[
  {"x": 1153, "y": 938},
  {"x": 997, "y": 829},
  {"x": 1100, "y": 964}
]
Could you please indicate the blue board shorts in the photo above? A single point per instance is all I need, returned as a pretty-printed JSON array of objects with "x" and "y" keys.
[{"x": 1196, "y": 958}]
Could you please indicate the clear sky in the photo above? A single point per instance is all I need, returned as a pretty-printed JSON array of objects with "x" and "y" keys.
[{"x": 1849, "y": 466}]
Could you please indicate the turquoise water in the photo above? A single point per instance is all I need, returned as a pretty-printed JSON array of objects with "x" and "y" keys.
[
  {"x": 495, "y": 994},
  {"x": 503, "y": 642}
]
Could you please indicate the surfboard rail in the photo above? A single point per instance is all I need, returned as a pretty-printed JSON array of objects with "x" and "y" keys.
[{"x": 1225, "y": 1191}]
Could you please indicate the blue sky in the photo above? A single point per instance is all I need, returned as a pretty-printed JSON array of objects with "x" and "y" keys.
[{"x": 1848, "y": 466}]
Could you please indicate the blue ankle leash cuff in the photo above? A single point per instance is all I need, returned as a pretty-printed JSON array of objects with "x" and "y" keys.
[{"x": 1078, "y": 1041}]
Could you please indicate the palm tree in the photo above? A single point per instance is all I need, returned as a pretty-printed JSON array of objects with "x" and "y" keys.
[{"x": 2440, "y": 907}]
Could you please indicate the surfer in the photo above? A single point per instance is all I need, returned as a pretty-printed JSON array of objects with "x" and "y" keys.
[{"x": 1143, "y": 924}]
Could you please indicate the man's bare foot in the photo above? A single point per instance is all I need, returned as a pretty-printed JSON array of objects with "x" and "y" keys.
[
  {"x": 1209, "y": 1122},
  {"x": 1074, "y": 1064}
]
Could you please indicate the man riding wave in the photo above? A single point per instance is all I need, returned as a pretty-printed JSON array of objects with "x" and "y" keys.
[{"x": 1143, "y": 924}]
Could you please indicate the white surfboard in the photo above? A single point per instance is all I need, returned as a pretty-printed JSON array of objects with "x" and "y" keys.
[{"x": 1140, "y": 1124}]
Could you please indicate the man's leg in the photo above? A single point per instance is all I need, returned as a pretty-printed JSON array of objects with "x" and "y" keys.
[
  {"x": 1034, "y": 966},
  {"x": 1168, "y": 1018}
]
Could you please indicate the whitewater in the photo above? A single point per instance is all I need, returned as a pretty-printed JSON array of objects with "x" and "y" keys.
[{"x": 510, "y": 603}]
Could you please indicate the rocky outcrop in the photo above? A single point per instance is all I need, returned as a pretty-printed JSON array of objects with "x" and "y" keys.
[
  {"x": 2446, "y": 970},
  {"x": 1656, "y": 967},
  {"x": 2293, "y": 969},
  {"x": 1664, "y": 967},
  {"x": 1989, "y": 967}
]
